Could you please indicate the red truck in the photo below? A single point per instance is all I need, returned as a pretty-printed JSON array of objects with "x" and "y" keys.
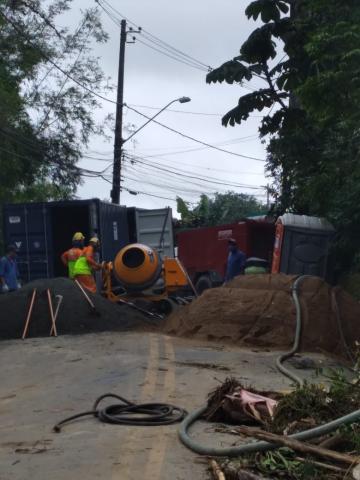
[{"x": 204, "y": 251}]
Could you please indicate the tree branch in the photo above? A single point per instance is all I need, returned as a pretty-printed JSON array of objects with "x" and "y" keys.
[{"x": 271, "y": 85}]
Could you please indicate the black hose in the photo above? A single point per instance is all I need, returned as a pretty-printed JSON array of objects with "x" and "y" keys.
[{"x": 128, "y": 413}]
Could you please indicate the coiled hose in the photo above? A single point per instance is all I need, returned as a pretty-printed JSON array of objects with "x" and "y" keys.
[
  {"x": 128, "y": 413},
  {"x": 263, "y": 446}
]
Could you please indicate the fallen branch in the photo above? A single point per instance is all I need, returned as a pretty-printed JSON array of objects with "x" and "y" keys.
[
  {"x": 325, "y": 466},
  {"x": 234, "y": 471},
  {"x": 333, "y": 441},
  {"x": 297, "y": 445},
  {"x": 219, "y": 475}
]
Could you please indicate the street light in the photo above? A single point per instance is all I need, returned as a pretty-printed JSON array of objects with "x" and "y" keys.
[
  {"x": 119, "y": 142},
  {"x": 180, "y": 100}
]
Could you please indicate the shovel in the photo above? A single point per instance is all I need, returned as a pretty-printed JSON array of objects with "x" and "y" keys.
[
  {"x": 142, "y": 310},
  {"x": 88, "y": 299}
]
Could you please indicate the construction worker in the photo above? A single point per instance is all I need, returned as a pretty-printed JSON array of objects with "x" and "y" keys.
[
  {"x": 86, "y": 264},
  {"x": 235, "y": 262},
  {"x": 69, "y": 257},
  {"x": 9, "y": 273}
]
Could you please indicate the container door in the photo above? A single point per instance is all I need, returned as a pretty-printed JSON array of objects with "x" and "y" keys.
[
  {"x": 154, "y": 228},
  {"x": 114, "y": 233},
  {"x": 27, "y": 227},
  {"x": 67, "y": 218}
]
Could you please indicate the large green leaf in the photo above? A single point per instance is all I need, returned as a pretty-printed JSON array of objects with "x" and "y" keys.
[
  {"x": 248, "y": 103},
  {"x": 269, "y": 10},
  {"x": 232, "y": 71},
  {"x": 260, "y": 46}
]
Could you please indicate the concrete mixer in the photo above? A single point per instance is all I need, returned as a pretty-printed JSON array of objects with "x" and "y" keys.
[{"x": 141, "y": 274}]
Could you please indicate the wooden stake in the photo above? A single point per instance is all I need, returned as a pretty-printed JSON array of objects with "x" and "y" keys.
[
  {"x": 219, "y": 475},
  {"x": 59, "y": 299},
  {"x": 51, "y": 312},
  {"x": 27, "y": 321},
  {"x": 298, "y": 445}
]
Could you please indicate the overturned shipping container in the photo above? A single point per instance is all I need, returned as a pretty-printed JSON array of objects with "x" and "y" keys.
[{"x": 43, "y": 231}]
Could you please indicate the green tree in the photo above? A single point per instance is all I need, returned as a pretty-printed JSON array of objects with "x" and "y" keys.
[
  {"x": 313, "y": 133},
  {"x": 46, "y": 119},
  {"x": 223, "y": 208}
]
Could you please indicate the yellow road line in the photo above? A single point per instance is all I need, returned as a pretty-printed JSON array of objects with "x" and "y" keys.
[
  {"x": 157, "y": 453},
  {"x": 124, "y": 469}
]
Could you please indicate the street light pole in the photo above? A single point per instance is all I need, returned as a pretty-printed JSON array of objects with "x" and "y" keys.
[
  {"x": 181, "y": 100},
  {"x": 119, "y": 141}
]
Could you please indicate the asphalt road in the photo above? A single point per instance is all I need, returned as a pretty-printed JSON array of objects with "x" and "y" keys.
[{"x": 44, "y": 380}]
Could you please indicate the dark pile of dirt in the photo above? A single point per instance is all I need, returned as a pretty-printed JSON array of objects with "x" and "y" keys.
[
  {"x": 258, "y": 310},
  {"x": 75, "y": 315}
]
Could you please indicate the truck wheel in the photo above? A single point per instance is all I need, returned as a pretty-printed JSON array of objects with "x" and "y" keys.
[{"x": 203, "y": 283}]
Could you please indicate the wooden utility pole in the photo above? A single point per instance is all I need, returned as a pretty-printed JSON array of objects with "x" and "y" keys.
[{"x": 115, "y": 192}]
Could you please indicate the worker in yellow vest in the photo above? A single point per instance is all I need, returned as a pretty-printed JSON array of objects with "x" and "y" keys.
[
  {"x": 86, "y": 264},
  {"x": 69, "y": 257}
]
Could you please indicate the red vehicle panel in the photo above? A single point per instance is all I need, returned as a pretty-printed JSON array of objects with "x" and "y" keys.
[{"x": 205, "y": 250}]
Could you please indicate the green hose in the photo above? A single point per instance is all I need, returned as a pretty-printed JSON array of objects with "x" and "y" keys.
[
  {"x": 295, "y": 348},
  {"x": 263, "y": 446},
  {"x": 255, "y": 446}
]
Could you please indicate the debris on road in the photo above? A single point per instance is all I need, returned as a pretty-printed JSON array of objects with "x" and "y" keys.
[
  {"x": 327, "y": 457},
  {"x": 297, "y": 446},
  {"x": 216, "y": 470}
]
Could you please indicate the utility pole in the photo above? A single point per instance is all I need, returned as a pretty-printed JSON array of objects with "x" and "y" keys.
[{"x": 115, "y": 192}]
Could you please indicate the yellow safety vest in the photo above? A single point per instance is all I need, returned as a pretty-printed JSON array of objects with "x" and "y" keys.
[
  {"x": 81, "y": 267},
  {"x": 73, "y": 253}
]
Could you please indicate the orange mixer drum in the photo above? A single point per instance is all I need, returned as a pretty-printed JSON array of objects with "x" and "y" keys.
[{"x": 137, "y": 266}]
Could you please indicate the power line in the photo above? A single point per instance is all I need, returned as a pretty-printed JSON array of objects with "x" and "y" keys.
[
  {"x": 155, "y": 38},
  {"x": 182, "y": 174},
  {"x": 171, "y": 56},
  {"x": 165, "y": 182},
  {"x": 145, "y": 159},
  {"x": 176, "y": 190},
  {"x": 170, "y": 53},
  {"x": 198, "y": 167},
  {"x": 195, "y": 139},
  {"x": 179, "y": 190},
  {"x": 129, "y": 190},
  {"x": 189, "y": 150},
  {"x": 180, "y": 149},
  {"x": 114, "y": 102},
  {"x": 47, "y": 58},
  {"x": 186, "y": 112},
  {"x": 66, "y": 79}
]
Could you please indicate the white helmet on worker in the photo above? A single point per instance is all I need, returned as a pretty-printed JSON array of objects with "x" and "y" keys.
[{"x": 94, "y": 240}]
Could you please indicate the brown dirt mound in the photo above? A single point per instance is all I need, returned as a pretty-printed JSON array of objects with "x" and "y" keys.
[
  {"x": 258, "y": 310},
  {"x": 75, "y": 314}
]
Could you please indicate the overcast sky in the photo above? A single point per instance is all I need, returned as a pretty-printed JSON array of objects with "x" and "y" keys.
[{"x": 212, "y": 32}]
